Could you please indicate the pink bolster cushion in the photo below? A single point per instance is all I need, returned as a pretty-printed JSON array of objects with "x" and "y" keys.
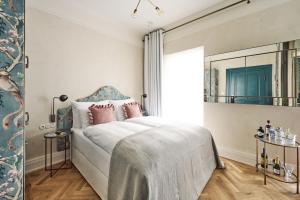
[
  {"x": 100, "y": 114},
  {"x": 132, "y": 110}
]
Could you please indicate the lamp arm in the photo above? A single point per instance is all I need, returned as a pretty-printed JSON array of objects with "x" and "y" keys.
[
  {"x": 52, "y": 116},
  {"x": 52, "y": 112}
]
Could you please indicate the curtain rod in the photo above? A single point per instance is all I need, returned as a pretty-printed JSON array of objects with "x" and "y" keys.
[{"x": 208, "y": 14}]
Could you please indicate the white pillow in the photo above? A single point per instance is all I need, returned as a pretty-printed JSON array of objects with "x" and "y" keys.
[
  {"x": 80, "y": 109},
  {"x": 118, "y": 107}
]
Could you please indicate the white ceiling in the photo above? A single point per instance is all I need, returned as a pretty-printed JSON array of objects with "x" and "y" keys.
[{"x": 114, "y": 16}]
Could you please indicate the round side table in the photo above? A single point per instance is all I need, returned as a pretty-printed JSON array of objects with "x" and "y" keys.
[{"x": 49, "y": 137}]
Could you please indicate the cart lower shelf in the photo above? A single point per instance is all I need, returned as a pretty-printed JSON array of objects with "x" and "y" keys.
[{"x": 281, "y": 177}]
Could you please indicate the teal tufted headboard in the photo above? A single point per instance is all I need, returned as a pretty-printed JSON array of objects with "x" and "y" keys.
[{"x": 64, "y": 115}]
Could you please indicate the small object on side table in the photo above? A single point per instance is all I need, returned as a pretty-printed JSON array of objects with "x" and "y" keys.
[
  {"x": 291, "y": 138},
  {"x": 276, "y": 166},
  {"x": 272, "y": 133},
  {"x": 67, "y": 164},
  {"x": 260, "y": 132},
  {"x": 267, "y": 127},
  {"x": 58, "y": 132},
  {"x": 288, "y": 169},
  {"x": 264, "y": 159}
]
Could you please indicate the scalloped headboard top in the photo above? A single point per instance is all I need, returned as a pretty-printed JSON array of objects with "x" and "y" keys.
[{"x": 65, "y": 117}]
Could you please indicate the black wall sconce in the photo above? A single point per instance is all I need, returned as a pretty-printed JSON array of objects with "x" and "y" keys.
[{"x": 62, "y": 98}]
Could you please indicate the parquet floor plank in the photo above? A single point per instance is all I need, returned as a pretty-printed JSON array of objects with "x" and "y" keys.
[{"x": 237, "y": 182}]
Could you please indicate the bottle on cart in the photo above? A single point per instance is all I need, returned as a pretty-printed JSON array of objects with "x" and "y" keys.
[
  {"x": 263, "y": 160},
  {"x": 267, "y": 127},
  {"x": 276, "y": 166}
]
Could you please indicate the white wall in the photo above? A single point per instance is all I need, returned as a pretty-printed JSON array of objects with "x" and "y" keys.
[
  {"x": 233, "y": 126},
  {"x": 66, "y": 58},
  {"x": 268, "y": 26}
]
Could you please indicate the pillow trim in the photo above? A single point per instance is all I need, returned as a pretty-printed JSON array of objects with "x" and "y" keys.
[
  {"x": 129, "y": 104},
  {"x": 91, "y": 118}
]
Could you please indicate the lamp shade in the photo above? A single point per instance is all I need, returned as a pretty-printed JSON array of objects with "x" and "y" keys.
[{"x": 63, "y": 97}]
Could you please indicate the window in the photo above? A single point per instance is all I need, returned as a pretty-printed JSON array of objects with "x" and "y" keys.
[{"x": 182, "y": 86}]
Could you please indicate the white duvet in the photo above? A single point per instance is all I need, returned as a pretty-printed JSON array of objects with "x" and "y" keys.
[
  {"x": 108, "y": 135},
  {"x": 154, "y": 159}
]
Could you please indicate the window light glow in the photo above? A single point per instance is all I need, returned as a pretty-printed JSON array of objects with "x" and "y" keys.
[{"x": 182, "y": 86}]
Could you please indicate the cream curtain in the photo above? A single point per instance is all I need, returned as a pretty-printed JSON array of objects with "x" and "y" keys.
[{"x": 153, "y": 58}]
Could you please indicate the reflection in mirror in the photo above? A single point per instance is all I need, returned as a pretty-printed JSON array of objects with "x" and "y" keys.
[{"x": 266, "y": 75}]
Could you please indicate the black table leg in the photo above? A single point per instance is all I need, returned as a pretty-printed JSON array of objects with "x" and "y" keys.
[
  {"x": 45, "y": 153},
  {"x": 65, "y": 149},
  {"x": 65, "y": 164},
  {"x": 284, "y": 159},
  {"x": 50, "y": 157},
  {"x": 256, "y": 155},
  {"x": 297, "y": 170},
  {"x": 265, "y": 165}
]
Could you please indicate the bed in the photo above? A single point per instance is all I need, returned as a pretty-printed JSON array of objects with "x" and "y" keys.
[{"x": 140, "y": 158}]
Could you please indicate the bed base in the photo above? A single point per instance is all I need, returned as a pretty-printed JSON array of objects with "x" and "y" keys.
[{"x": 97, "y": 180}]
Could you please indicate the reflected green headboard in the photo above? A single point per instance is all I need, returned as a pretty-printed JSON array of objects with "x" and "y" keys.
[{"x": 64, "y": 115}]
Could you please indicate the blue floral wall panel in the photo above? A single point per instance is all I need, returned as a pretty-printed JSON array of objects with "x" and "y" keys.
[{"x": 11, "y": 98}]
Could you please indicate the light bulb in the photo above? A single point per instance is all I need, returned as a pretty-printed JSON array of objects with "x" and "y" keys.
[
  {"x": 159, "y": 11},
  {"x": 134, "y": 13}
]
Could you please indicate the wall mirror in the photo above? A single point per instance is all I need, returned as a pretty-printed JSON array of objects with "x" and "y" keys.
[{"x": 265, "y": 75}]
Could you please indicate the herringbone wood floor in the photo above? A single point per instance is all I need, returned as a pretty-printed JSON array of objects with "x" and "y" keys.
[
  {"x": 67, "y": 184},
  {"x": 237, "y": 181}
]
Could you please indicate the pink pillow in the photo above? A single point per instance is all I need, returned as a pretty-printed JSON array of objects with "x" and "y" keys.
[
  {"x": 132, "y": 110},
  {"x": 100, "y": 114}
]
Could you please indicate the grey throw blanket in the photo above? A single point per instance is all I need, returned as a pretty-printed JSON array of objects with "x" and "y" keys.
[{"x": 163, "y": 163}]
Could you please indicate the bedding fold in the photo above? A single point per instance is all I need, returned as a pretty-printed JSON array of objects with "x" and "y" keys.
[{"x": 165, "y": 162}]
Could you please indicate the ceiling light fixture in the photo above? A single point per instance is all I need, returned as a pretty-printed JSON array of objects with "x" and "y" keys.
[{"x": 157, "y": 9}]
